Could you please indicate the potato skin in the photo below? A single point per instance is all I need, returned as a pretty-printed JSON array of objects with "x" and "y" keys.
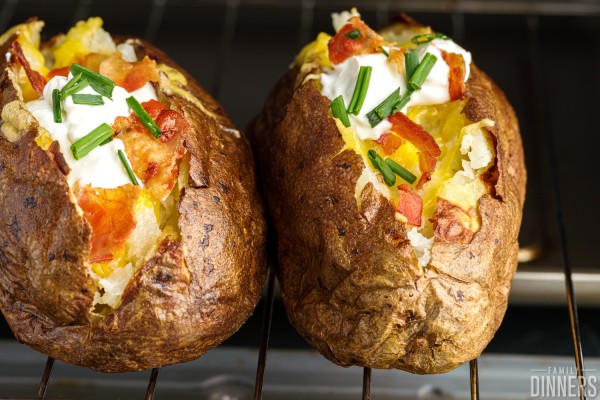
[
  {"x": 350, "y": 280},
  {"x": 193, "y": 294}
]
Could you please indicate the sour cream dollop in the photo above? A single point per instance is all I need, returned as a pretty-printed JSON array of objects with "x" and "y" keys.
[
  {"x": 385, "y": 77},
  {"x": 101, "y": 168}
]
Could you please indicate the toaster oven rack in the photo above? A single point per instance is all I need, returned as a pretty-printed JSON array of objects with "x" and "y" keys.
[{"x": 457, "y": 10}]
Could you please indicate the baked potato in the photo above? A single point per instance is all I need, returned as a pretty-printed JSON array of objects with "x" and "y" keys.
[
  {"x": 133, "y": 235},
  {"x": 395, "y": 178}
]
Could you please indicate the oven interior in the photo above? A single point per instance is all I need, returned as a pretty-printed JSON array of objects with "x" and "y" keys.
[{"x": 543, "y": 54}]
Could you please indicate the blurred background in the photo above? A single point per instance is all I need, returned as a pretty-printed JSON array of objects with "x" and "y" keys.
[{"x": 545, "y": 55}]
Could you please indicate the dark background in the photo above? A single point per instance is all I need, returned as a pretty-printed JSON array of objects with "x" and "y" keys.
[{"x": 546, "y": 58}]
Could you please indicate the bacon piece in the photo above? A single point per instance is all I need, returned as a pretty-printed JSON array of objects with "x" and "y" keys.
[
  {"x": 410, "y": 204},
  {"x": 129, "y": 75},
  {"x": 110, "y": 212},
  {"x": 390, "y": 142},
  {"x": 36, "y": 79},
  {"x": 155, "y": 162},
  {"x": 456, "y": 76},
  {"x": 170, "y": 123},
  {"x": 342, "y": 47},
  {"x": 64, "y": 71},
  {"x": 93, "y": 60},
  {"x": 429, "y": 150},
  {"x": 396, "y": 56}
]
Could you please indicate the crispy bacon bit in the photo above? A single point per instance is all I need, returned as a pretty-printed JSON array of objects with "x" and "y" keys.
[
  {"x": 110, "y": 212},
  {"x": 36, "y": 79},
  {"x": 342, "y": 47},
  {"x": 155, "y": 162},
  {"x": 129, "y": 75},
  {"x": 390, "y": 142},
  {"x": 425, "y": 177},
  {"x": 456, "y": 76},
  {"x": 429, "y": 150},
  {"x": 64, "y": 71},
  {"x": 93, "y": 61},
  {"x": 410, "y": 204},
  {"x": 397, "y": 57}
]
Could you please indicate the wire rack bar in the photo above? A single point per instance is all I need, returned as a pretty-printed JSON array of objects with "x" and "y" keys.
[
  {"x": 45, "y": 378},
  {"x": 366, "y": 391},
  {"x": 152, "y": 383},
  {"x": 535, "y": 64},
  {"x": 474, "y": 378},
  {"x": 266, "y": 332}
]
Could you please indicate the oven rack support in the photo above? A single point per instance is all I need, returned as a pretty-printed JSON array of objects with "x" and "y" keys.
[{"x": 457, "y": 10}]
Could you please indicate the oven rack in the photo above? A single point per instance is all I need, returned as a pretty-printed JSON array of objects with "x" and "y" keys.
[{"x": 457, "y": 11}]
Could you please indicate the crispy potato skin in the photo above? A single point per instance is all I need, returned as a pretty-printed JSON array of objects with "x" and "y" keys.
[
  {"x": 350, "y": 280},
  {"x": 189, "y": 297}
]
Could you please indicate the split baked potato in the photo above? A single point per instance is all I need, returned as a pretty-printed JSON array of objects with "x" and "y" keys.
[
  {"x": 132, "y": 233},
  {"x": 395, "y": 181}
]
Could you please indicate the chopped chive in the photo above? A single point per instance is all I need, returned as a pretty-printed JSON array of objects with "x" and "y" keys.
[
  {"x": 338, "y": 109},
  {"x": 89, "y": 99},
  {"x": 388, "y": 176},
  {"x": 143, "y": 116},
  {"x": 353, "y": 34},
  {"x": 101, "y": 84},
  {"x": 77, "y": 87},
  {"x": 428, "y": 37},
  {"x": 56, "y": 106},
  {"x": 90, "y": 141},
  {"x": 400, "y": 170},
  {"x": 384, "y": 51},
  {"x": 411, "y": 62},
  {"x": 360, "y": 90},
  {"x": 384, "y": 109},
  {"x": 70, "y": 84},
  {"x": 403, "y": 101},
  {"x": 420, "y": 74},
  {"x": 127, "y": 167}
]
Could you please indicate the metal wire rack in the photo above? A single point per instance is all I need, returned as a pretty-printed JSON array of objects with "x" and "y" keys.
[{"x": 382, "y": 9}]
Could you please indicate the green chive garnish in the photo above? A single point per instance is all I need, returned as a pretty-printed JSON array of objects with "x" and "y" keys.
[
  {"x": 403, "y": 101},
  {"x": 428, "y": 37},
  {"x": 338, "y": 109},
  {"x": 89, "y": 99},
  {"x": 143, "y": 116},
  {"x": 56, "y": 106},
  {"x": 69, "y": 85},
  {"x": 384, "y": 109},
  {"x": 360, "y": 90},
  {"x": 77, "y": 87},
  {"x": 378, "y": 163},
  {"x": 420, "y": 74},
  {"x": 391, "y": 105},
  {"x": 127, "y": 167},
  {"x": 90, "y": 141},
  {"x": 353, "y": 34},
  {"x": 101, "y": 84},
  {"x": 400, "y": 170},
  {"x": 384, "y": 51},
  {"x": 411, "y": 62}
]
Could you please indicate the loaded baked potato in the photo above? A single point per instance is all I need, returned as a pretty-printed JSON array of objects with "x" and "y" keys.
[
  {"x": 395, "y": 179},
  {"x": 132, "y": 235}
]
